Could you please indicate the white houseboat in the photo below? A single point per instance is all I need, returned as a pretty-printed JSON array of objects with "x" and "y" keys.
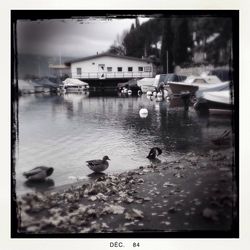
[{"x": 109, "y": 66}]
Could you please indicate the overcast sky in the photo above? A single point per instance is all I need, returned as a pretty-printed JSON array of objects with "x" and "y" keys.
[{"x": 74, "y": 38}]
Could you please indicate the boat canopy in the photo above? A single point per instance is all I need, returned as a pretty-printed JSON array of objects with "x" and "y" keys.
[
  {"x": 166, "y": 78},
  {"x": 145, "y": 81},
  {"x": 72, "y": 81},
  {"x": 202, "y": 79}
]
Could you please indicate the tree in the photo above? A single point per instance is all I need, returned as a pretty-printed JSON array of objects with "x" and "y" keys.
[
  {"x": 117, "y": 47},
  {"x": 182, "y": 40},
  {"x": 138, "y": 41},
  {"x": 219, "y": 31},
  {"x": 167, "y": 46},
  {"x": 175, "y": 34},
  {"x": 117, "y": 50}
]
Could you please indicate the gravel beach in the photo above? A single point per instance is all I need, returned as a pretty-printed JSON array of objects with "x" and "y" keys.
[{"x": 196, "y": 193}]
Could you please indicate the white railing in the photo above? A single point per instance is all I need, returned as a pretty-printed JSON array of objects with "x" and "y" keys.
[{"x": 112, "y": 75}]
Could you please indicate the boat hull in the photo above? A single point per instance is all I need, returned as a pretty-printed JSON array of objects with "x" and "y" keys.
[
  {"x": 203, "y": 104},
  {"x": 197, "y": 89},
  {"x": 177, "y": 88},
  {"x": 215, "y": 100}
]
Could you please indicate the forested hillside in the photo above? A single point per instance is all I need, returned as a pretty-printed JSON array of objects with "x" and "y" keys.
[{"x": 180, "y": 41}]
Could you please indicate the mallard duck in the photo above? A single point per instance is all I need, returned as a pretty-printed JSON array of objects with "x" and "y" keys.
[
  {"x": 98, "y": 165},
  {"x": 38, "y": 173},
  {"x": 154, "y": 152}
]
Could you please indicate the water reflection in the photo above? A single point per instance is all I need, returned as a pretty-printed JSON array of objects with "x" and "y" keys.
[
  {"x": 39, "y": 186},
  {"x": 66, "y": 130},
  {"x": 95, "y": 176},
  {"x": 155, "y": 161}
]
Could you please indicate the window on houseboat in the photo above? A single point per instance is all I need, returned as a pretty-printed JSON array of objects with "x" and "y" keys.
[
  {"x": 109, "y": 69},
  {"x": 140, "y": 68},
  {"x": 119, "y": 69},
  {"x": 130, "y": 69},
  {"x": 147, "y": 68},
  {"x": 78, "y": 71}
]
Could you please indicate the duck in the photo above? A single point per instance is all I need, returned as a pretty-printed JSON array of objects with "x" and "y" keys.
[
  {"x": 38, "y": 173},
  {"x": 98, "y": 165},
  {"x": 154, "y": 152}
]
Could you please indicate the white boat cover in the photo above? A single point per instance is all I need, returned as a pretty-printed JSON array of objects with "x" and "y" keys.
[
  {"x": 72, "y": 81},
  {"x": 218, "y": 96},
  {"x": 221, "y": 86},
  {"x": 145, "y": 81},
  {"x": 205, "y": 79}
]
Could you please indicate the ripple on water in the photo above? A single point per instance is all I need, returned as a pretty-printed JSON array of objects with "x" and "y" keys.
[{"x": 65, "y": 132}]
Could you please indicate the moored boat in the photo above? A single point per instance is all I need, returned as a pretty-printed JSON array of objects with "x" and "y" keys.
[
  {"x": 124, "y": 87},
  {"x": 215, "y": 100},
  {"x": 165, "y": 79},
  {"x": 146, "y": 84},
  {"x": 197, "y": 85},
  {"x": 73, "y": 85}
]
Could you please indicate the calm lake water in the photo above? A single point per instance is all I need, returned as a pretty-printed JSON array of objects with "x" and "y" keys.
[{"x": 66, "y": 131}]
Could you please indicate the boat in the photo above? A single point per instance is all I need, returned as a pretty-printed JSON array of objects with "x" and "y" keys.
[
  {"x": 215, "y": 100},
  {"x": 146, "y": 84},
  {"x": 73, "y": 85},
  {"x": 124, "y": 87},
  {"x": 197, "y": 85},
  {"x": 164, "y": 79}
]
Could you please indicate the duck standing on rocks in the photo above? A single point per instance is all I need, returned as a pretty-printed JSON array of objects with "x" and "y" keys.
[
  {"x": 99, "y": 165},
  {"x": 154, "y": 152},
  {"x": 38, "y": 173}
]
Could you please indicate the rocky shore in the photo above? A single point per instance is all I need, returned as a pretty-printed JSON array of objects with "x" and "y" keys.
[{"x": 197, "y": 192}]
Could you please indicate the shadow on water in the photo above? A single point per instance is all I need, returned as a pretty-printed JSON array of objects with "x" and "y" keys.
[
  {"x": 40, "y": 185},
  {"x": 107, "y": 93}
]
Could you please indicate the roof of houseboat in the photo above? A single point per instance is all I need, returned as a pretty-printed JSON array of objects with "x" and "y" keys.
[{"x": 106, "y": 54}]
